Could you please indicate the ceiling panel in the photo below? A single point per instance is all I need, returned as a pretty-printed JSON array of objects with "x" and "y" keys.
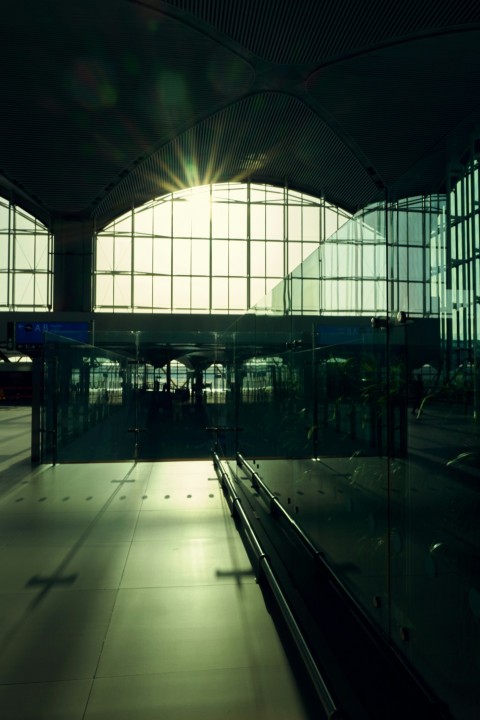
[{"x": 109, "y": 103}]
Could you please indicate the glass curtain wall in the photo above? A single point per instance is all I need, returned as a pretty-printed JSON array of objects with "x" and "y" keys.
[
  {"x": 347, "y": 274},
  {"x": 461, "y": 278},
  {"x": 213, "y": 249},
  {"x": 367, "y": 432},
  {"x": 25, "y": 261}
]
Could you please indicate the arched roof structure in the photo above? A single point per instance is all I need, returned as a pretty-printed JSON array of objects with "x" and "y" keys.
[{"x": 105, "y": 104}]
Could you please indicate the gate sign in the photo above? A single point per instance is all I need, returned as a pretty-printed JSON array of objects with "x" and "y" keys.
[{"x": 32, "y": 334}]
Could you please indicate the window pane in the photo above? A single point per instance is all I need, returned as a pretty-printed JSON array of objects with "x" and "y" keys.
[
  {"x": 238, "y": 294},
  {"x": 368, "y": 259},
  {"x": 4, "y": 217},
  {"x": 237, "y": 261},
  {"x": 238, "y": 192},
  {"x": 415, "y": 298},
  {"x": 220, "y": 220},
  {"x": 3, "y": 252},
  {"x": 162, "y": 218},
  {"x": 238, "y": 221},
  {"x": 142, "y": 289},
  {"x": 257, "y": 290},
  {"x": 219, "y": 294},
  {"x": 162, "y": 255},
  {"x": 311, "y": 220},
  {"x": 200, "y": 293},
  {"x": 41, "y": 252},
  {"x": 3, "y": 289},
  {"x": 368, "y": 295},
  {"x": 200, "y": 257},
  {"x": 270, "y": 283},
  {"x": 308, "y": 249},
  {"x": 257, "y": 258},
  {"x": 122, "y": 249},
  {"x": 294, "y": 255},
  {"x": 181, "y": 293},
  {"x": 257, "y": 221},
  {"x": 122, "y": 291},
  {"x": 181, "y": 256},
  {"x": 274, "y": 222},
  {"x": 415, "y": 263},
  {"x": 104, "y": 253},
  {"x": 200, "y": 212},
  {"x": 182, "y": 221},
  {"x": 143, "y": 223},
  {"x": 162, "y": 288},
  {"x": 24, "y": 223},
  {"x": 142, "y": 248},
  {"x": 275, "y": 259},
  {"x": 124, "y": 225},
  {"x": 257, "y": 193},
  {"x": 310, "y": 295},
  {"x": 41, "y": 289},
  {"x": 23, "y": 289},
  {"x": 219, "y": 257},
  {"x": 332, "y": 222},
  {"x": 104, "y": 290},
  {"x": 294, "y": 223},
  {"x": 24, "y": 252},
  {"x": 310, "y": 268}
]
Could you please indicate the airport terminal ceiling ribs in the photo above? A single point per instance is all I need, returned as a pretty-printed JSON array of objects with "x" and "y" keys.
[{"x": 108, "y": 104}]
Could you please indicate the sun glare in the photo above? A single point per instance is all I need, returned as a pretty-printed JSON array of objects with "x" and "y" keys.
[{"x": 211, "y": 248}]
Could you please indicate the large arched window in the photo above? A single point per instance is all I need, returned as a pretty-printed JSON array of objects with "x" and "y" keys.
[
  {"x": 25, "y": 261},
  {"x": 212, "y": 249}
]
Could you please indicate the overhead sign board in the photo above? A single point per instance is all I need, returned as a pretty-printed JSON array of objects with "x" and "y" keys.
[{"x": 31, "y": 335}]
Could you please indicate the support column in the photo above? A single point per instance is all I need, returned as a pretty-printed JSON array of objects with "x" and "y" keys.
[{"x": 73, "y": 243}]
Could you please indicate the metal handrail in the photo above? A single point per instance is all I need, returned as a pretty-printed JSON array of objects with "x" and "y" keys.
[
  {"x": 276, "y": 506},
  {"x": 315, "y": 552},
  {"x": 264, "y": 565}
]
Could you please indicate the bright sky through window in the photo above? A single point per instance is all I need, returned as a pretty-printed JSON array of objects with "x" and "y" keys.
[{"x": 213, "y": 249}]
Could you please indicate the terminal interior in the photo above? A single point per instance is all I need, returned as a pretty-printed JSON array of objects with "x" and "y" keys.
[{"x": 239, "y": 362}]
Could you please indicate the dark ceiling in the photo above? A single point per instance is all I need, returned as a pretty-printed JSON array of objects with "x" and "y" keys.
[{"x": 108, "y": 103}]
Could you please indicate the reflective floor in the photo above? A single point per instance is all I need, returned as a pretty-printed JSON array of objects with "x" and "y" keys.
[{"x": 125, "y": 592}]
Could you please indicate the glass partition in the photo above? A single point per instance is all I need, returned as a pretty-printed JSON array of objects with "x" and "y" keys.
[
  {"x": 134, "y": 395},
  {"x": 361, "y": 416},
  {"x": 88, "y": 405}
]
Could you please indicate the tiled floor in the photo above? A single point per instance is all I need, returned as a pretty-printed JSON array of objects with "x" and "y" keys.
[{"x": 125, "y": 592}]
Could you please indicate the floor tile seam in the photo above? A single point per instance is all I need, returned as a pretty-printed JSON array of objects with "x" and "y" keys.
[
  {"x": 192, "y": 508},
  {"x": 68, "y": 681},
  {"x": 165, "y": 536},
  {"x": 175, "y": 586},
  {"x": 203, "y": 585},
  {"x": 52, "y": 545},
  {"x": 114, "y": 605},
  {"x": 189, "y": 671}
]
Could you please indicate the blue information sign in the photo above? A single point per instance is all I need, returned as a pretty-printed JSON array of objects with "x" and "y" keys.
[{"x": 32, "y": 334}]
